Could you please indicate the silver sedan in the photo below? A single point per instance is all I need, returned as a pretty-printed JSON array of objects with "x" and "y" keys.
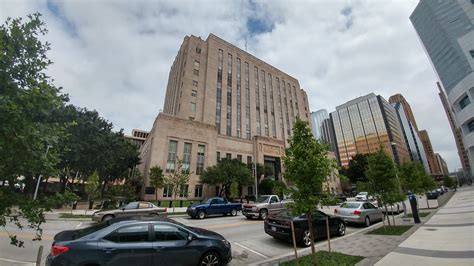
[{"x": 359, "y": 212}]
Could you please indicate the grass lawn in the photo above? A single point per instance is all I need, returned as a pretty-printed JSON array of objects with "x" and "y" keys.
[
  {"x": 165, "y": 203},
  {"x": 421, "y": 214},
  {"x": 69, "y": 215},
  {"x": 326, "y": 258},
  {"x": 391, "y": 230}
]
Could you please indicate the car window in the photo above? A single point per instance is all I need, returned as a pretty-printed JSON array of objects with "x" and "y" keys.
[
  {"x": 168, "y": 233},
  {"x": 214, "y": 201},
  {"x": 129, "y": 234},
  {"x": 220, "y": 201},
  {"x": 143, "y": 205},
  {"x": 350, "y": 205},
  {"x": 319, "y": 215},
  {"x": 371, "y": 206},
  {"x": 366, "y": 206},
  {"x": 131, "y": 205},
  {"x": 89, "y": 230},
  {"x": 273, "y": 200},
  {"x": 261, "y": 199}
]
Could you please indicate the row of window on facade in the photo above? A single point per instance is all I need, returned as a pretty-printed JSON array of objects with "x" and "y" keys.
[{"x": 186, "y": 159}]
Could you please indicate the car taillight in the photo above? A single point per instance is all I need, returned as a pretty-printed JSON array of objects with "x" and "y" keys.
[
  {"x": 335, "y": 211},
  {"x": 57, "y": 250},
  {"x": 356, "y": 212},
  {"x": 166, "y": 210}
]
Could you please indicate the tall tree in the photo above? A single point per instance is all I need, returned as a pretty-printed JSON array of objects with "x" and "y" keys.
[
  {"x": 224, "y": 173},
  {"x": 156, "y": 179},
  {"x": 28, "y": 133},
  {"x": 307, "y": 167},
  {"x": 356, "y": 172}
]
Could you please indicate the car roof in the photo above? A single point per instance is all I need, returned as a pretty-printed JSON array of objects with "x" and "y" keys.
[{"x": 135, "y": 219}]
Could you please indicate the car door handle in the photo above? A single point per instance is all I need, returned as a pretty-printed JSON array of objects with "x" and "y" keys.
[{"x": 108, "y": 250}]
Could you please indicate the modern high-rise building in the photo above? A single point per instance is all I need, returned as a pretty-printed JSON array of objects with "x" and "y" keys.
[
  {"x": 410, "y": 131},
  {"x": 456, "y": 131},
  {"x": 138, "y": 137},
  {"x": 323, "y": 129},
  {"x": 221, "y": 102},
  {"x": 442, "y": 165},
  {"x": 365, "y": 124},
  {"x": 430, "y": 155},
  {"x": 447, "y": 32}
]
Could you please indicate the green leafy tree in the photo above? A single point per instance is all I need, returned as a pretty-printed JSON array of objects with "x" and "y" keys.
[
  {"x": 92, "y": 186},
  {"x": 178, "y": 180},
  {"x": 307, "y": 167},
  {"x": 448, "y": 182},
  {"x": 224, "y": 173},
  {"x": 356, "y": 172},
  {"x": 28, "y": 102},
  {"x": 156, "y": 179}
]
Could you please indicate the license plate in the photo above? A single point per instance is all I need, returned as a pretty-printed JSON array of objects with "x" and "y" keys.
[{"x": 274, "y": 228}]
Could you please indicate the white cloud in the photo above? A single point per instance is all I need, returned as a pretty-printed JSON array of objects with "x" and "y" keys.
[{"x": 115, "y": 56}]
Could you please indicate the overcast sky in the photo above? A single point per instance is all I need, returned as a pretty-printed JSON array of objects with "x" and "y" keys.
[{"x": 115, "y": 56}]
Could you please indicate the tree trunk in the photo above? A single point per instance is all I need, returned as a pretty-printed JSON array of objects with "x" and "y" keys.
[
  {"x": 386, "y": 215},
  {"x": 404, "y": 209},
  {"x": 310, "y": 225},
  {"x": 294, "y": 242},
  {"x": 156, "y": 194},
  {"x": 393, "y": 215},
  {"x": 328, "y": 234}
]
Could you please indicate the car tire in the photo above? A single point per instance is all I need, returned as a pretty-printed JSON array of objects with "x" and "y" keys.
[
  {"x": 201, "y": 215},
  {"x": 233, "y": 212},
  {"x": 306, "y": 239},
  {"x": 367, "y": 221},
  {"x": 107, "y": 217},
  {"x": 263, "y": 214},
  {"x": 341, "y": 229},
  {"x": 210, "y": 258}
]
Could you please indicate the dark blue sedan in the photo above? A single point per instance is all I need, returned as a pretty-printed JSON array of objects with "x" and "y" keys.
[{"x": 139, "y": 241}]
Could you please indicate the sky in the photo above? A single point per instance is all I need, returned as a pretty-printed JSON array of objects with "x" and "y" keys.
[{"x": 115, "y": 56}]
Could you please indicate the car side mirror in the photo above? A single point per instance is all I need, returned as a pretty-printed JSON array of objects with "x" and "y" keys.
[{"x": 191, "y": 237}]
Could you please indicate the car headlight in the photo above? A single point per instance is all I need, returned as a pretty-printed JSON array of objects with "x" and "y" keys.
[
  {"x": 193, "y": 208},
  {"x": 226, "y": 243},
  {"x": 254, "y": 209}
]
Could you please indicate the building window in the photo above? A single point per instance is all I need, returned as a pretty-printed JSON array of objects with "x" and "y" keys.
[
  {"x": 171, "y": 163},
  {"x": 464, "y": 102},
  {"x": 239, "y": 157},
  {"x": 200, "y": 160},
  {"x": 218, "y": 156},
  {"x": 228, "y": 156},
  {"x": 249, "y": 160},
  {"x": 198, "y": 191},
  {"x": 183, "y": 192},
  {"x": 198, "y": 50},
  {"x": 470, "y": 126},
  {"x": 193, "y": 107},
  {"x": 196, "y": 72},
  {"x": 196, "y": 64},
  {"x": 247, "y": 102},
  {"x": 194, "y": 93},
  {"x": 187, "y": 156},
  {"x": 219, "y": 90},
  {"x": 229, "y": 96},
  {"x": 167, "y": 191}
]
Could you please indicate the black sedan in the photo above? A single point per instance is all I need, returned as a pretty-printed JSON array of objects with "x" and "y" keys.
[
  {"x": 279, "y": 226},
  {"x": 434, "y": 194},
  {"x": 139, "y": 241}
]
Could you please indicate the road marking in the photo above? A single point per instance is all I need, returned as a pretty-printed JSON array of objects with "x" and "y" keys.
[
  {"x": 79, "y": 225},
  {"x": 18, "y": 261},
  {"x": 251, "y": 250}
]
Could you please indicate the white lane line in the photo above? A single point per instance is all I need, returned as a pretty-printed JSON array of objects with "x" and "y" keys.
[
  {"x": 251, "y": 250},
  {"x": 79, "y": 225},
  {"x": 18, "y": 261}
]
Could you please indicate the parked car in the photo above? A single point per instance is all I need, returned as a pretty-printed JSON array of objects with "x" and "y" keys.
[
  {"x": 135, "y": 208},
  {"x": 279, "y": 226},
  {"x": 359, "y": 212},
  {"x": 397, "y": 208},
  {"x": 213, "y": 206},
  {"x": 434, "y": 194},
  {"x": 263, "y": 206},
  {"x": 440, "y": 191},
  {"x": 141, "y": 241},
  {"x": 362, "y": 196}
]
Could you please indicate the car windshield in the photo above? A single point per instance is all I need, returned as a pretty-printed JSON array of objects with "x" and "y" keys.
[
  {"x": 362, "y": 193},
  {"x": 350, "y": 205},
  {"x": 262, "y": 199},
  {"x": 131, "y": 205},
  {"x": 89, "y": 230}
]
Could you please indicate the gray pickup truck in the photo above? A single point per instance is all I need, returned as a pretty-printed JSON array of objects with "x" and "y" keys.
[{"x": 263, "y": 206}]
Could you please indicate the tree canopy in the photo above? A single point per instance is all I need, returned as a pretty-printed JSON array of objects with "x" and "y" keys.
[{"x": 356, "y": 172}]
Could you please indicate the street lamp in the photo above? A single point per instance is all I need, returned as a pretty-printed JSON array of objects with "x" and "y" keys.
[{"x": 39, "y": 177}]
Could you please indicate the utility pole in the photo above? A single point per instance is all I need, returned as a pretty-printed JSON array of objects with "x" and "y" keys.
[{"x": 39, "y": 177}]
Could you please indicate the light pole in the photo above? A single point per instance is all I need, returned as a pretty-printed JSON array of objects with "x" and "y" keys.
[{"x": 39, "y": 177}]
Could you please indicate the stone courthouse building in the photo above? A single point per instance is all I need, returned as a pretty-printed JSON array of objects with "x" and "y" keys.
[{"x": 221, "y": 102}]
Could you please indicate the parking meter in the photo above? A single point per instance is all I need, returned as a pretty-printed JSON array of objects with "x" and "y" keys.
[{"x": 414, "y": 208}]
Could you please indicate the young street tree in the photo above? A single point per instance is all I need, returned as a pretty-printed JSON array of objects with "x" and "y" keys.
[
  {"x": 226, "y": 172},
  {"x": 156, "y": 179},
  {"x": 306, "y": 168},
  {"x": 178, "y": 180},
  {"x": 92, "y": 187}
]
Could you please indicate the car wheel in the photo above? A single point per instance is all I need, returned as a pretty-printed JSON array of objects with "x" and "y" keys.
[
  {"x": 201, "y": 215},
  {"x": 263, "y": 214},
  {"x": 210, "y": 258},
  {"x": 367, "y": 221},
  {"x": 233, "y": 212},
  {"x": 306, "y": 240},
  {"x": 341, "y": 229},
  {"x": 107, "y": 217}
]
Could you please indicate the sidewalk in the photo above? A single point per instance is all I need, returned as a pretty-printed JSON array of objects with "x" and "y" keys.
[{"x": 446, "y": 239}]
